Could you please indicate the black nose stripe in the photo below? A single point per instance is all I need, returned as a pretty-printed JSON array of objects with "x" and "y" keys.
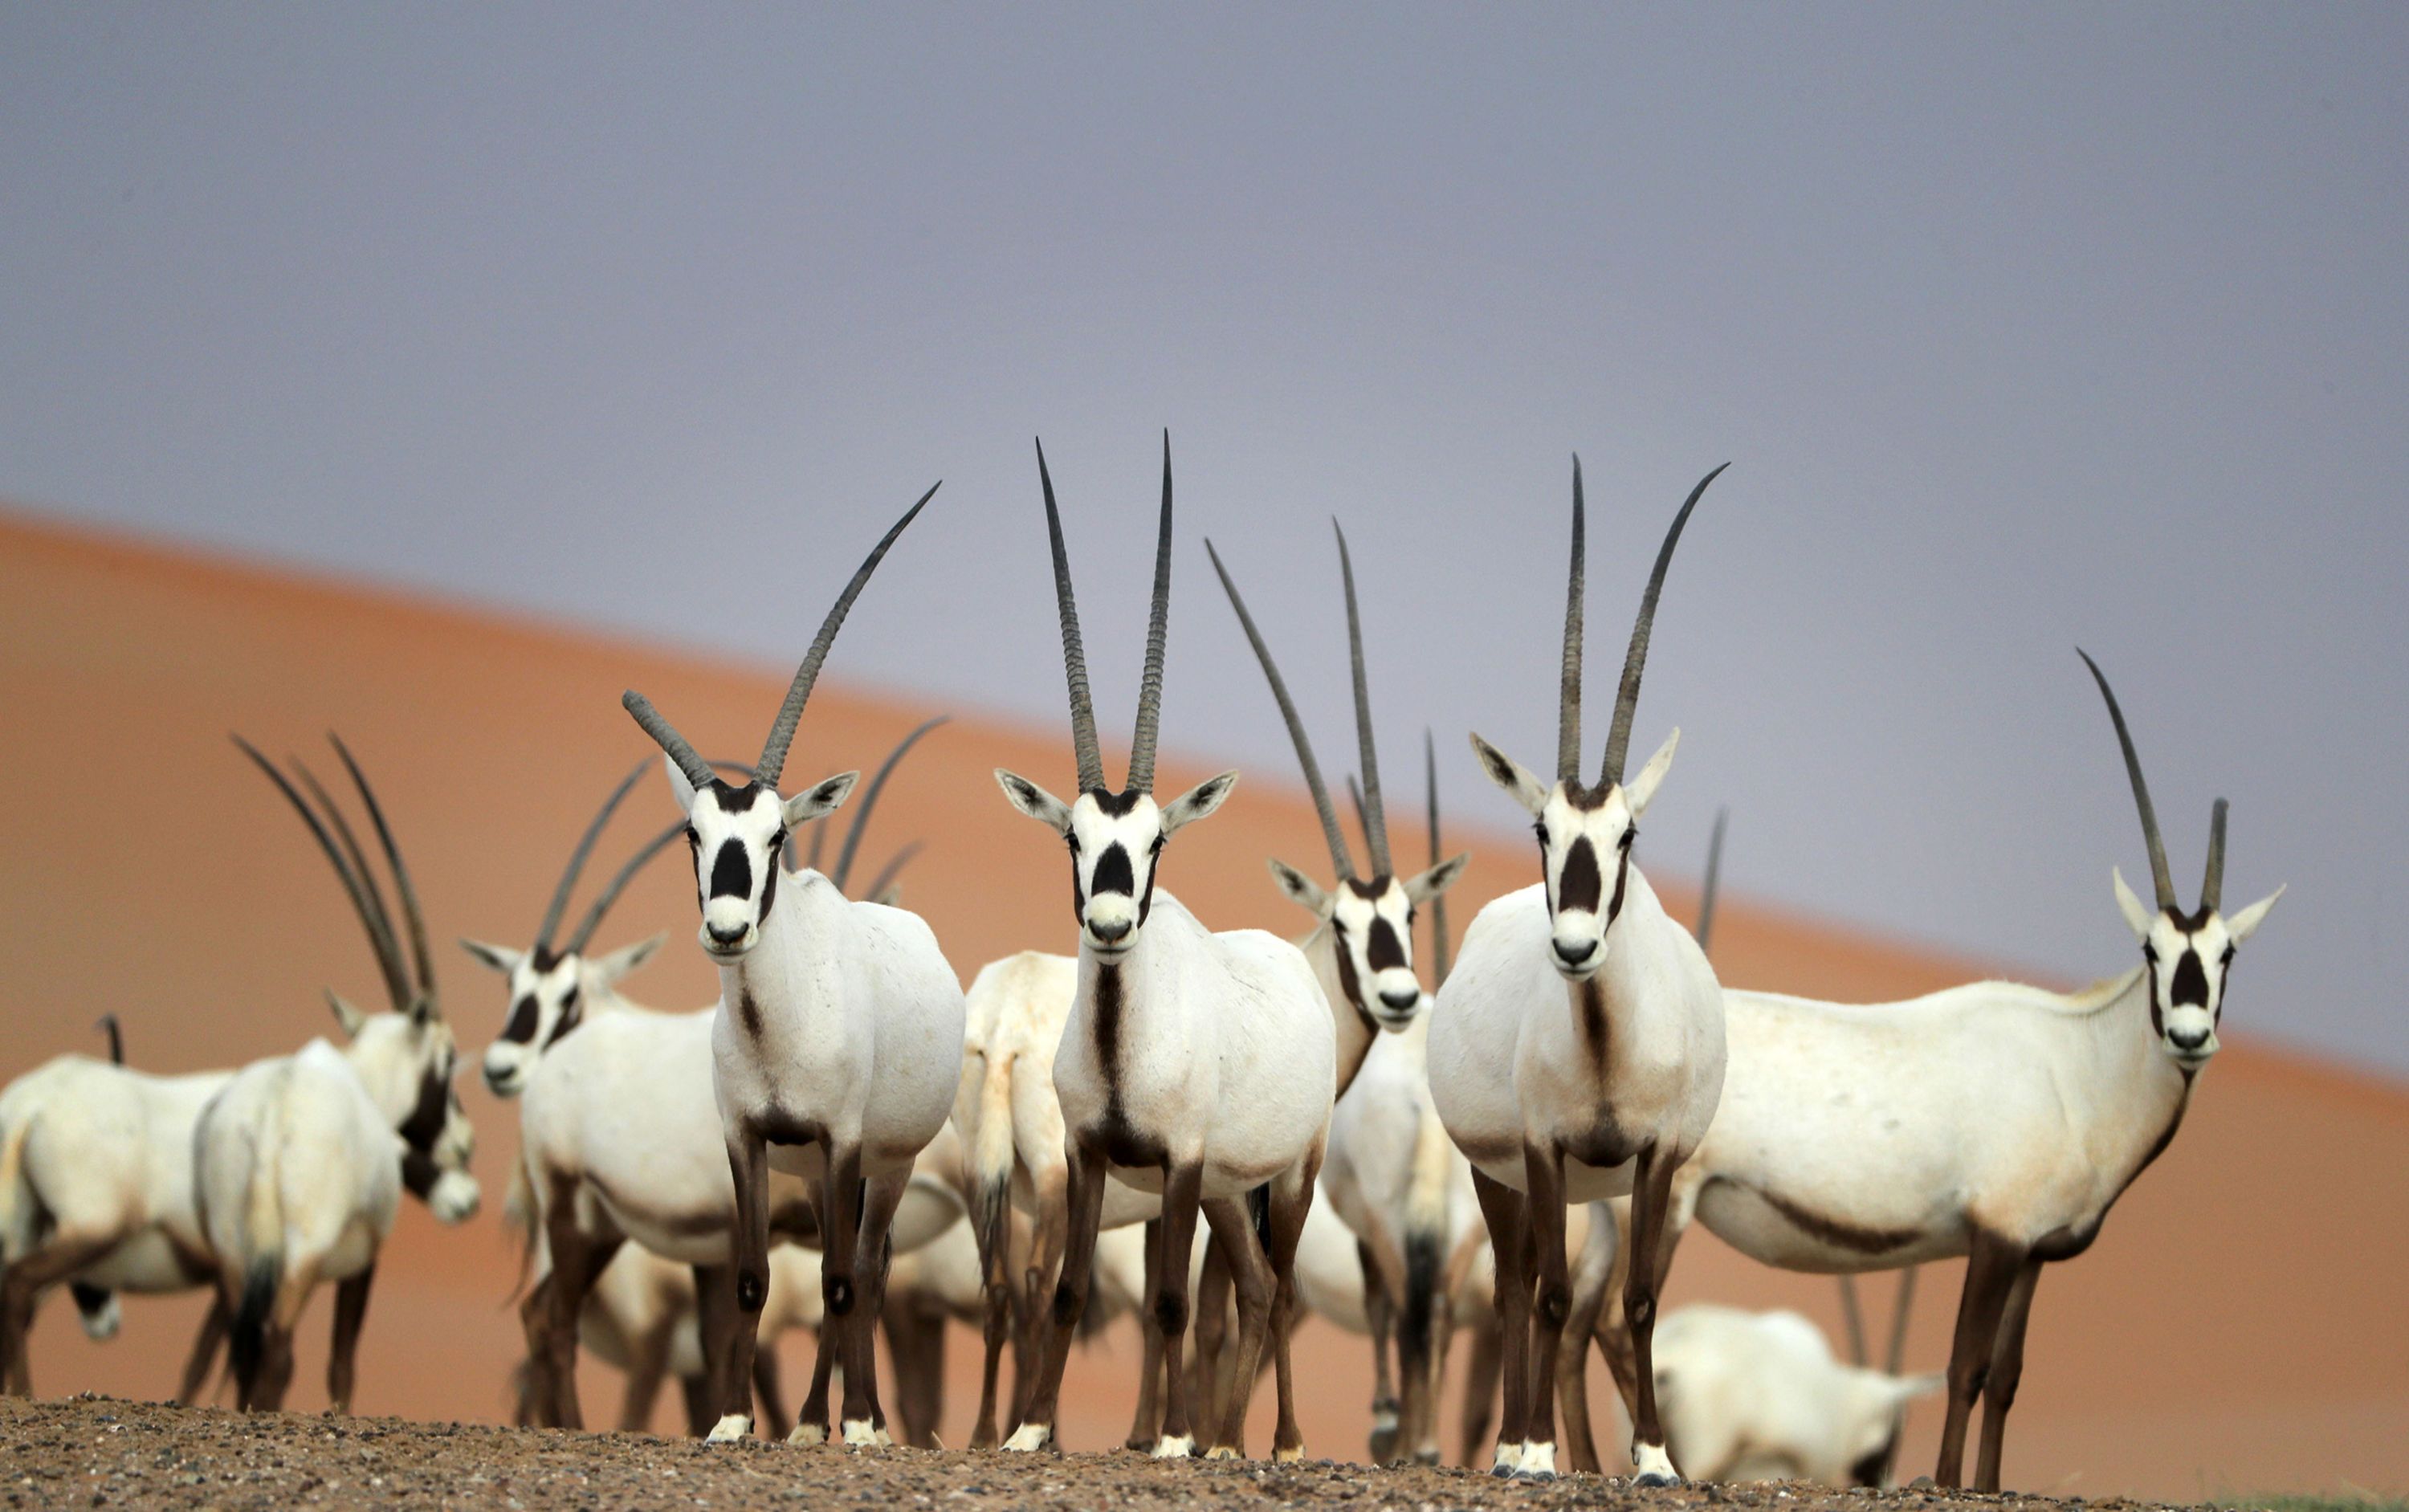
[
  {"x": 731, "y": 872},
  {"x": 1579, "y": 884},
  {"x": 1113, "y": 872},
  {"x": 521, "y": 1028},
  {"x": 1382, "y": 952},
  {"x": 2189, "y": 989}
]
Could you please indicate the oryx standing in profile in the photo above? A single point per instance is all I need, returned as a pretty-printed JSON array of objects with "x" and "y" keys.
[
  {"x": 1994, "y": 1120},
  {"x": 1386, "y": 1176},
  {"x": 1577, "y": 1051},
  {"x": 837, "y": 1041},
  {"x": 1197, "y": 1064}
]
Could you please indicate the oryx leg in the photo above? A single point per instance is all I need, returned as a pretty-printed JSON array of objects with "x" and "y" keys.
[
  {"x": 1652, "y": 1197},
  {"x": 648, "y": 1366},
  {"x": 728, "y": 1366},
  {"x": 351, "y": 1311},
  {"x": 1049, "y": 1234},
  {"x": 812, "y": 1427},
  {"x": 205, "y": 1352},
  {"x": 1991, "y": 1269},
  {"x": 1087, "y": 1209},
  {"x": 1378, "y": 1313},
  {"x": 1234, "y": 1236},
  {"x": 1291, "y": 1203},
  {"x": 1599, "y": 1273},
  {"x": 993, "y": 1211},
  {"x": 1421, "y": 1346},
  {"x": 915, "y": 1342},
  {"x": 1551, "y": 1307},
  {"x": 1209, "y": 1381},
  {"x": 577, "y": 1260},
  {"x": 864, "y": 1420},
  {"x": 1166, "y": 1302},
  {"x": 1502, "y": 1209},
  {"x": 769, "y": 1392},
  {"x": 1145, "y": 1427},
  {"x": 1480, "y": 1376},
  {"x": 2007, "y": 1369},
  {"x": 23, "y": 1283}
]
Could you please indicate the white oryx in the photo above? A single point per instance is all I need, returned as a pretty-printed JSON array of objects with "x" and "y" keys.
[
  {"x": 1758, "y": 1396},
  {"x": 299, "y": 1161},
  {"x": 1194, "y": 1064},
  {"x": 836, "y": 1045},
  {"x": 1995, "y": 1120},
  {"x": 1577, "y": 1051}
]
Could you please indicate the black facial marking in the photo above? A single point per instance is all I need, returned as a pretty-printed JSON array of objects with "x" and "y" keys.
[
  {"x": 1078, "y": 886},
  {"x": 1383, "y": 951},
  {"x": 1580, "y": 885},
  {"x": 425, "y": 1125},
  {"x": 1116, "y": 804},
  {"x": 731, "y": 870},
  {"x": 521, "y": 1026},
  {"x": 1113, "y": 872},
  {"x": 89, "y": 1299},
  {"x": 2189, "y": 989},
  {"x": 573, "y": 1012},
  {"x": 1145, "y": 900},
  {"x": 1621, "y": 882},
  {"x": 1350, "y": 986},
  {"x": 770, "y": 883},
  {"x": 735, "y": 799},
  {"x": 419, "y": 1174}
]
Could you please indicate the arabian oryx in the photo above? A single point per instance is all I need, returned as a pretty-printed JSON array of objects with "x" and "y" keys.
[
  {"x": 1758, "y": 1396},
  {"x": 299, "y": 1161},
  {"x": 1194, "y": 1064},
  {"x": 1995, "y": 1120},
  {"x": 1577, "y": 1051},
  {"x": 836, "y": 1045}
]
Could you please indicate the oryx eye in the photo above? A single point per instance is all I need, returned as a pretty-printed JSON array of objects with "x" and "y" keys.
[{"x": 1540, "y": 829}]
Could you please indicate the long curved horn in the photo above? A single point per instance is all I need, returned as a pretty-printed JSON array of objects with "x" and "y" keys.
[
  {"x": 1439, "y": 953},
  {"x": 1158, "y": 626},
  {"x": 696, "y": 770},
  {"x": 1626, "y": 700},
  {"x": 2159, "y": 876},
  {"x": 388, "y": 963},
  {"x": 388, "y": 938},
  {"x": 1376, "y": 820},
  {"x": 774, "y": 750},
  {"x": 578, "y": 858},
  {"x": 870, "y": 801},
  {"x": 1568, "y": 694},
  {"x": 421, "y": 954},
  {"x": 610, "y": 894},
  {"x": 887, "y": 874},
  {"x": 1707, "y": 894},
  {"x": 2212, "y": 889},
  {"x": 1331, "y": 833},
  {"x": 1074, "y": 657}
]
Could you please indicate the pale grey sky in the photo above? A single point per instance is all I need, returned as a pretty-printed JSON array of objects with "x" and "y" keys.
[{"x": 2021, "y": 327}]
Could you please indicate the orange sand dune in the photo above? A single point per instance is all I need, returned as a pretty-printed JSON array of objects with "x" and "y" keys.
[{"x": 2236, "y": 1327}]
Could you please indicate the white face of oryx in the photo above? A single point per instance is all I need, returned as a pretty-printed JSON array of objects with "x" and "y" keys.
[
  {"x": 1115, "y": 841},
  {"x": 2189, "y": 958},
  {"x": 1372, "y": 922},
  {"x": 737, "y": 835},
  {"x": 547, "y": 1000},
  {"x": 1585, "y": 839},
  {"x": 406, "y": 1061}
]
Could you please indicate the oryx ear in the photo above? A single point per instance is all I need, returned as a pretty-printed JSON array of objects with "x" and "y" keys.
[
  {"x": 609, "y": 970},
  {"x": 500, "y": 958},
  {"x": 1439, "y": 879},
  {"x": 1301, "y": 890},
  {"x": 1034, "y": 801},
  {"x": 2135, "y": 915},
  {"x": 350, "y": 1017},
  {"x": 2242, "y": 925},
  {"x": 891, "y": 897},
  {"x": 1906, "y": 1389},
  {"x": 1197, "y": 802},
  {"x": 804, "y": 807},
  {"x": 1641, "y": 789},
  {"x": 1511, "y": 776},
  {"x": 682, "y": 789}
]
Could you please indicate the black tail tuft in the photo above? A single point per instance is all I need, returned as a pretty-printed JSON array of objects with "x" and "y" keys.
[
  {"x": 1414, "y": 1331},
  {"x": 247, "y": 1344}
]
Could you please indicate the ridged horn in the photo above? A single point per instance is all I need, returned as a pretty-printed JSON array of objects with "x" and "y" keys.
[
  {"x": 578, "y": 858},
  {"x": 618, "y": 883},
  {"x": 388, "y": 938},
  {"x": 1707, "y": 894},
  {"x": 887, "y": 874},
  {"x": 696, "y": 770},
  {"x": 870, "y": 801},
  {"x": 2211, "y": 889},
  {"x": 1376, "y": 819},
  {"x": 388, "y": 963},
  {"x": 1634, "y": 661},
  {"x": 1157, "y": 626},
  {"x": 420, "y": 952},
  {"x": 2160, "y": 877},
  {"x": 799, "y": 692},
  {"x": 1569, "y": 692},
  {"x": 1439, "y": 953},
  {"x": 1335, "y": 837},
  {"x": 1075, "y": 657}
]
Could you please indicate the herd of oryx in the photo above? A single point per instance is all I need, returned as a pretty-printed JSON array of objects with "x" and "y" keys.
[{"x": 847, "y": 1138}]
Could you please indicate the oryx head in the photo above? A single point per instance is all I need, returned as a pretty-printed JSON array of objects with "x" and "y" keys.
[
  {"x": 1114, "y": 838},
  {"x": 1370, "y": 918},
  {"x": 2188, "y": 955},
  {"x": 548, "y": 983},
  {"x": 1586, "y": 833},
  {"x": 405, "y": 1057},
  {"x": 738, "y": 830}
]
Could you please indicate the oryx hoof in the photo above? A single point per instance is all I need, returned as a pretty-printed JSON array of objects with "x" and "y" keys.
[
  {"x": 1654, "y": 1466},
  {"x": 1028, "y": 1439},
  {"x": 1222, "y": 1451},
  {"x": 811, "y": 1436},
  {"x": 861, "y": 1434},
  {"x": 1173, "y": 1446},
  {"x": 730, "y": 1429}
]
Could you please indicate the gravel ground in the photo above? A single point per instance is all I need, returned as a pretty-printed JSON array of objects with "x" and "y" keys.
[{"x": 97, "y": 1451}]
